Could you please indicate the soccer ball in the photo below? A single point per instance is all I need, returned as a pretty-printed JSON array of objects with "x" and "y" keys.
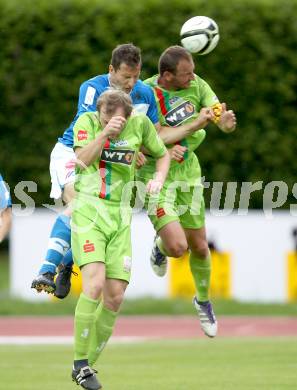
[{"x": 200, "y": 35}]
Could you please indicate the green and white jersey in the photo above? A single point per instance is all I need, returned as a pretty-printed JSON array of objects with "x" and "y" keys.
[
  {"x": 177, "y": 108},
  {"x": 110, "y": 172}
]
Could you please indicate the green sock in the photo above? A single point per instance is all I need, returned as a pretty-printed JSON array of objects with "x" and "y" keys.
[
  {"x": 161, "y": 246},
  {"x": 201, "y": 269},
  {"x": 104, "y": 324},
  {"x": 83, "y": 324}
]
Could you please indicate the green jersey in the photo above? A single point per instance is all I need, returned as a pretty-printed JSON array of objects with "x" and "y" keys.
[
  {"x": 110, "y": 172},
  {"x": 179, "y": 107}
]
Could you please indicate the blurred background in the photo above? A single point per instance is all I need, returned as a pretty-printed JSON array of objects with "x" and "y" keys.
[{"x": 49, "y": 48}]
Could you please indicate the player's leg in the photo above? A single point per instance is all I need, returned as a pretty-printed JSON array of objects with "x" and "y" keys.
[
  {"x": 105, "y": 317},
  {"x": 62, "y": 176},
  {"x": 118, "y": 270},
  {"x": 193, "y": 222},
  {"x": 90, "y": 258},
  {"x": 170, "y": 239},
  {"x": 93, "y": 277},
  {"x": 65, "y": 269}
]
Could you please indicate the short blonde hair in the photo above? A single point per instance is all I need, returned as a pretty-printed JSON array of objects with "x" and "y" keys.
[{"x": 113, "y": 99}]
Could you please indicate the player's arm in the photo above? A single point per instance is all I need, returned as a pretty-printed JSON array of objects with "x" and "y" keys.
[
  {"x": 170, "y": 135},
  {"x": 223, "y": 118},
  {"x": 90, "y": 152},
  {"x": 226, "y": 120},
  {"x": 5, "y": 222},
  {"x": 153, "y": 143}
]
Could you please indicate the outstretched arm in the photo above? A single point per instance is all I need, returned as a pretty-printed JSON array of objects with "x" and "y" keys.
[{"x": 170, "y": 135}]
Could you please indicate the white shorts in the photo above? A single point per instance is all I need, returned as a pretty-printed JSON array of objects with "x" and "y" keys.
[{"x": 62, "y": 168}]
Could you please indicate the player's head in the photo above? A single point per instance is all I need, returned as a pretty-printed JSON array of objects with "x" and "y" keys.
[
  {"x": 113, "y": 103},
  {"x": 125, "y": 66},
  {"x": 176, "y": 67}
]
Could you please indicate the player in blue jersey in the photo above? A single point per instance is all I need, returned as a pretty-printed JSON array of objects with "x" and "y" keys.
[
  {"x": 124, "y": 71},
  {"x": 5, "y": 210}
]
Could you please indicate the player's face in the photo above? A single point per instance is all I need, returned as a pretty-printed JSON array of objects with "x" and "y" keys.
[
  {"x": 183, "y": 76},
  {"x": 124, "y": 77},
  {"x": 105, "y": 118}
]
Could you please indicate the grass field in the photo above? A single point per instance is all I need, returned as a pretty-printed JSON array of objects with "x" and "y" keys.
[{"x": 220, "y": 364}]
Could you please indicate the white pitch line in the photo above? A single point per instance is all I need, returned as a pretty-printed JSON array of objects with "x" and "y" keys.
[{"x": 61, "y": 340}]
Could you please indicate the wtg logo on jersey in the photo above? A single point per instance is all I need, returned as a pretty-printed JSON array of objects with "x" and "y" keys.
[
  {"x": 180, "y": 113},
  {"x": 118, "y": 156},
  {"x": 82, "y": 135}
]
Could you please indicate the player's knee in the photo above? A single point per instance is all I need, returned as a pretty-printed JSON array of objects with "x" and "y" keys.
[
  {"x": 177, "y": 248},
  {"x": 93, "y": 289},
  {"x": 200, "y": 249},
  {"x": 113, "y": 302}
]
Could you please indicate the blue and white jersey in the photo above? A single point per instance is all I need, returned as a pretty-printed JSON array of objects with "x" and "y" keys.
[
  {"x": 5, "y": 200},
  {"x": 142, "y": 97}
]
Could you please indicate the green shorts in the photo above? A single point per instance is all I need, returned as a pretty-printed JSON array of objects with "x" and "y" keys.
[
  {"x": 181, "y": 198},
  {"x": 102, "y": 237},
  {"x": 182, "y": 204}
]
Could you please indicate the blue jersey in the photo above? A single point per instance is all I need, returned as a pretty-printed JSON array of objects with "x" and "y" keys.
[
  {"x": 5, "y": 200},
  {"x": 142, "y": 97}
]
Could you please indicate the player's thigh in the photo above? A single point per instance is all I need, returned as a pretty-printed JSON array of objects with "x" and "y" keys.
[
  {"x": 68, "y": 192},
  {"x": 88, "y": 241},
  {"x": 93, "y": 278},
  {"x": 62, "y": 169},
  {"x": 193, "y": 207},
  {"x": 119, "y": 254}
]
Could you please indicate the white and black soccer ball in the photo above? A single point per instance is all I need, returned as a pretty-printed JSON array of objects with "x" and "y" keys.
[{"x": 200, "y": 35}]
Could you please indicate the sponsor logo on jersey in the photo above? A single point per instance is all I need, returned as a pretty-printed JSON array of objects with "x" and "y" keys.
[
  {"x": 89, "y": 247},
  {"x": 140, "y": 108},
  {"x": 180, "y": 113},
  {"x": 127, "y": 263},
  {"x": 121, "y": 142},
  {"x": 118, "y": 156},
  {"x": 90, "y": 94},
  {"x": 82, "y": 135},
  {"x": 160, "y": 212},
  {"x": 173, "y": 100}
]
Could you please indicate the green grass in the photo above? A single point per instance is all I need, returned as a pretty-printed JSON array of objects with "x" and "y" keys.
[{"x": 220, "y": 364}]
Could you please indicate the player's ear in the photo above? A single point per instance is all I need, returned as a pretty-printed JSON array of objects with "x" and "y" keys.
[
  {"x": 110, "y": 69},
  {"x": 168, "y": 75}
]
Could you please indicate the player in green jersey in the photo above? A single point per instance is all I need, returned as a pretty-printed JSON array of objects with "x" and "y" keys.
[
  {"x": 178, "y": 216},
  {"x": 106, "y": 143}
]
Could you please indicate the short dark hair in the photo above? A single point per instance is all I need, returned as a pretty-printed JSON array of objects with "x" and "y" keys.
[
  {"x": 113, "y": 99},
  {"x": 170, "y": 58},
  {"x": 127, "y": 54}
]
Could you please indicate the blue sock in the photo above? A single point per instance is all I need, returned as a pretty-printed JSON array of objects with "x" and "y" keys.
[
  {"x": 68, "y": 259},
  {"x": 58, "y": 245}
]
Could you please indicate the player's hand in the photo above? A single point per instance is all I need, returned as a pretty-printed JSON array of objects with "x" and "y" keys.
[
  {"x": 114, "y": 126},
  {"x": 177, "y": 152},
  {"x": 227, "y": 122},
  {"x": 206, "y": 115},
  {"x": 140, "y": 160},
  {"x": 154, "y": 186}
]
